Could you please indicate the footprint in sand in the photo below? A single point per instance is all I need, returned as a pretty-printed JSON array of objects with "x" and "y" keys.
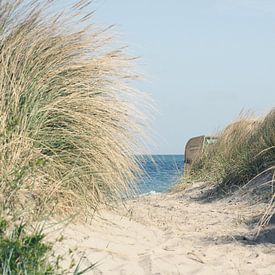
[{"x": 145, "y": 263}]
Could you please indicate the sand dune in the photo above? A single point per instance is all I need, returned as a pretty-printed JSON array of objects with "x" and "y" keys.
[{"x": 172, "y": 234}]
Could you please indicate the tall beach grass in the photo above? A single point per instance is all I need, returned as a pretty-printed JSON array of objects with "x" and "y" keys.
[
  {"x": 70, "y": 123},
  {"x": 244, "y": 149},
  {"x": 243, "y": 160}
]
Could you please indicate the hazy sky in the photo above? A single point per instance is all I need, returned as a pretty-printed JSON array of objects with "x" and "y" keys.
[{"x": 205, "y": 61}]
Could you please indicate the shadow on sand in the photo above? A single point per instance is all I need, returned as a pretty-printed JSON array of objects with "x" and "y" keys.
[
  {"x": 266, "y": 236},
  {"x": 260, "y": 188}
]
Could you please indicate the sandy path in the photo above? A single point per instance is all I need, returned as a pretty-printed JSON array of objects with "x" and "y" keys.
[{"x": 173, "y": 234}]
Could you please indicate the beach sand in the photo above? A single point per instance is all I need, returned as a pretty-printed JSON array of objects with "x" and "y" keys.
[{"x": 178, "y": 233}]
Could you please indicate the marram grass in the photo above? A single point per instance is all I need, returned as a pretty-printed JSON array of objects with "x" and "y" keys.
[
  {"x": 242, "y": 159},
  {"x": 70, "y": 124},
  {"x": 245, "y": 149}
]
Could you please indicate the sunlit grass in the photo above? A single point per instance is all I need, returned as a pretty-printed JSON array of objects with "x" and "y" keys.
[
  {"x": 244, "y": 149},
  {"x": 70, "y": 124},
  {"x": 243, "y": 159}
]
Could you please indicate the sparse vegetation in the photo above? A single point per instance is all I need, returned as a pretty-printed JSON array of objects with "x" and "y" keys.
[{"x": 22, "y": 252}]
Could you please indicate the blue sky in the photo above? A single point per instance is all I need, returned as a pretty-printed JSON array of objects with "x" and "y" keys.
[{"x": 204, "y": 61}]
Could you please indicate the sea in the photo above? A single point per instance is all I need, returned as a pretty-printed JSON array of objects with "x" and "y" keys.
[{"x": 160, "y": 173}]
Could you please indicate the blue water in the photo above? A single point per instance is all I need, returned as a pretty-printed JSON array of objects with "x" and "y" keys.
[{"x": 161, "y": 172}]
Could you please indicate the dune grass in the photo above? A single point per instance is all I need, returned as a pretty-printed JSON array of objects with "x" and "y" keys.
[
  {"x": 245, "y": 149},
  {"x": 70, "y": 123},
  {"x": 243, "y": 159}
]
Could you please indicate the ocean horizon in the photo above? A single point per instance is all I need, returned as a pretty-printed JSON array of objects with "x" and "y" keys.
[{"x": 160, "y": 173}]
